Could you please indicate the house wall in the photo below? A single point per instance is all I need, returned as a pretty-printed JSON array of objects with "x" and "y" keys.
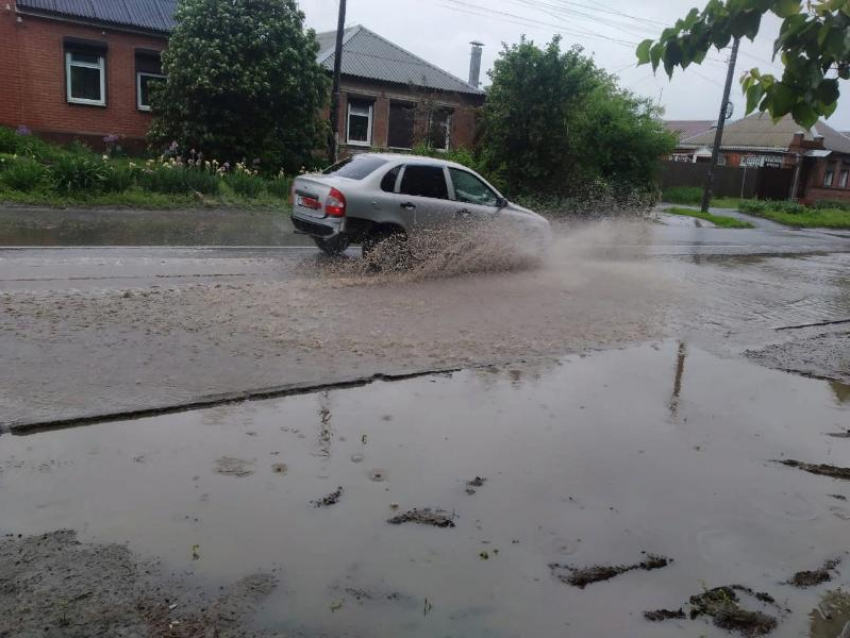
[
  {"x": 33, "y": 65},
  {"x": 815, "y": 190},
  {"x": 464, "y": 111}
]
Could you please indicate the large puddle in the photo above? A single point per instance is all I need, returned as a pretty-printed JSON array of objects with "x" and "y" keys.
[{"x": 662, "y": 449}]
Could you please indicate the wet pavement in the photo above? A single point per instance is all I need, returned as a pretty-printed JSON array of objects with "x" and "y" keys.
[
  {"x": 587, "y": 459},
  {"x": 621, "y": 403}
]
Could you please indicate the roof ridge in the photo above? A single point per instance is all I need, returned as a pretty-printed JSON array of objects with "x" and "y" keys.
[{"x": 417, "y": 58}]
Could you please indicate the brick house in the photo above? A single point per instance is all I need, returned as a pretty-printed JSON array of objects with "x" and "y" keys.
[
  {"x": 392, "y": 99},
  {"x": 80, "y": 69},
  {"x": 819, "y": 156}
]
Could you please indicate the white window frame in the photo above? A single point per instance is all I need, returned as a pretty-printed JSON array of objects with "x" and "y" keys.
[
  {"x": 100, "y": 66},
  {"x": 348, "y": 139},
  {"x": 139, "y": 74},
  {"x": 829, "y": 176},
  {"x": 843, "y": 175}
]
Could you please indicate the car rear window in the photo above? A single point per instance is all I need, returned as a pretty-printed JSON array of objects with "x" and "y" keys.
[
  {"x": 355, "y": 167},
  {"x": 424, "y": 181}
]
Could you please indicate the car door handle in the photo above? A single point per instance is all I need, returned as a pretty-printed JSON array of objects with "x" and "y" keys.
[
  {"x": 463, "y": 213},
  {"x": 408, "y": 205}
]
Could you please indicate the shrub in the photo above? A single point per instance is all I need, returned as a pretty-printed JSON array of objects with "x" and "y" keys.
[
  {"x": 279, "y": 187},
  {"x": 22, "y": 174},
  {"x": 756, "y": 206},
  {"x": 245, "y": 184},
  {"x": 176, "y": 180},
  {"x": 683, "y": 195},
  {"x": 831, "y": 204},
  {"x": 118, "y": 179},
  {"x": 74, "y": 173},
  {"x": 8, "y": 140}
]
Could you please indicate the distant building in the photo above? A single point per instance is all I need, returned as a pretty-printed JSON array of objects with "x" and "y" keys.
[{"x": 80, "y": 69}]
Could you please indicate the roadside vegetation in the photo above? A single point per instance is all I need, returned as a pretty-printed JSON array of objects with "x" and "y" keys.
[
  {"x": 36, "y": 172},
  {"x": 721, "y": 221},
  {"x": 823, "y": 214},
  {"x": 692, "y": 196}
]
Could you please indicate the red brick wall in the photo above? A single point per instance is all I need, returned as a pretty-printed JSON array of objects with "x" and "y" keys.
[
  {"x": 815, "y": 190},
  {"x": 464, "y": 111},
  {"x": 32, "y": 63}
]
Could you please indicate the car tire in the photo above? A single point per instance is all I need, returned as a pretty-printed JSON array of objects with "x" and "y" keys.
[
  {"x": 387, "y": 249},
  {"x": 334, "y": 246}
]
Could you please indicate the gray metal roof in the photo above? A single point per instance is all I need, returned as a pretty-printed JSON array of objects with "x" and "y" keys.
[
  {"x": 759, "y": 131},
  {"x": 150, "y": 15},
  {"x": 367, "y": 55}
]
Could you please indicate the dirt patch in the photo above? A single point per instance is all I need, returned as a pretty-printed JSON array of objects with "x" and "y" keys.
[
  {"x": 839, "y": 435},
  {"x": 815, "y": 577},
  {"x": 821, "y": 469},
  {"x": 723, "y": 606},
  {"x": 584, "y": 576},
  {"x": 330, "y": 499},
  {"x": 473, "y": 485},
  {"x": 54, "y": 586},
  {"x": 230, "y": 466},
  {"x": 425, "y": 516}
]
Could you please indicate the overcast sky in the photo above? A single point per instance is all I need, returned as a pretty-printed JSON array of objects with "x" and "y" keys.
[{"x": 440, "y": 32}]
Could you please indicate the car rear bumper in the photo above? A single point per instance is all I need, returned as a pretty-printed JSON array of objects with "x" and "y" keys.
[{"x": 312, "y": 227}]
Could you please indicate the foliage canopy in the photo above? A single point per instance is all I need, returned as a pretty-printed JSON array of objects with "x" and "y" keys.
[
  {"x": 813, "y": 45},
  {"x": 242, "y": 83},
  {"x": 553, "y": 122}
]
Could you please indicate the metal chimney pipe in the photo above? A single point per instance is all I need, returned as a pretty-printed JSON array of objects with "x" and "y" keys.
[{"x": 475, "y": 64}]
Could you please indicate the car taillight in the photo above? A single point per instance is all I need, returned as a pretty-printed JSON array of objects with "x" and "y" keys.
[{"x": 335, "y": 204}]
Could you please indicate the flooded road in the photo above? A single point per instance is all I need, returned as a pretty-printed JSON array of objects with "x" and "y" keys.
[{"x": 586, "y": 460}]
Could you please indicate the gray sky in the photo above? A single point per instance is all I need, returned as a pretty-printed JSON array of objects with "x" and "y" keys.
[{"x": 440, "y": 32}]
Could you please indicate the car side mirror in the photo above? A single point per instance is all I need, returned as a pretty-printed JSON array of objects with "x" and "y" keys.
[{"x": 501, "y": 203}]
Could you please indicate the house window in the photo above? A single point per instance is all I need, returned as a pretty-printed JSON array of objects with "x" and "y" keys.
[
  {"x": 85, "y": 75},
  {"x": 829, "y": 176},
  {"x": 842, "y": 178},
  {"x": 359, "y": 123},
  {"x": 402, "y": 116},
  {"x": 148, "y": 73},
  {"x": 440, "y": 128}
]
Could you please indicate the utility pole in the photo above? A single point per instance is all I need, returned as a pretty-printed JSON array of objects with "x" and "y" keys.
[
  {"x": 333, "y": 145},
  {"x": 721, "y": 121}
]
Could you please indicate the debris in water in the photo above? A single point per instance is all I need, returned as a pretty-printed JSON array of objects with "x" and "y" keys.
[
  {"x": 279, "y": 468},
  {"x": 821, "y": 469},
  {"x": 839, "y": 497},
  {"x": 196, "y": 552},
  {"x": 839, "y": 435},
  {"x": 484, "y": 556},
  {"x": 664, "y": 614},
  {"x": 437, "y": 518},
  {"x": 378, "y": 475},
  {"x": 723, "y": 606},
  {"x": 582, "y": 577},
  {"x": 230, "y": 466},
  {"x": 815, "y": 577},
  {"x": 831, "y": 618},
  {"x": 330, "y": 499},
  {"x": 478, "y": 481},
  {"x": 337, "y": 605},
  {"x": 357, "y": 457}
]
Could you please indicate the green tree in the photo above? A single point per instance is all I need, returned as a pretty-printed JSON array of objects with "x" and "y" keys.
[
  {"x": 553, "y": 123},
  {"x": 813, "y": 45},
  {"x": 242, "y": 82}
]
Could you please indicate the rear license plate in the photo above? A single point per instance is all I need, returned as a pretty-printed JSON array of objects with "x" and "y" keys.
[{"x": 308, "y": 202}]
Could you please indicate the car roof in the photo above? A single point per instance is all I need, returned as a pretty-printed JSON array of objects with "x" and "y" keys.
[{"x": 406, "y": 158}]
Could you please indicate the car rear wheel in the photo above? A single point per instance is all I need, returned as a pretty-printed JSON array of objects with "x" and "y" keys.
[
  {"x": 387, "y": 249},
  {"x": 334, "y": 246}
]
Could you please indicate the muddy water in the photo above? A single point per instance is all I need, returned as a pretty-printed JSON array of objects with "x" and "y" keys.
[{"x": 660, "y": 448}]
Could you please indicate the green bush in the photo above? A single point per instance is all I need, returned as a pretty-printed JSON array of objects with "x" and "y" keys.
[
  {"x": 279, "y": 187},
  {"x": 76, "y": 173},
  {"x": 245, "y": 184},
  {"x": 119, "y": 179},
  {"x": 683, "y": 195},
  {"x": 753, "y": 206},
  {"x": 8, "y": 140},
  {"x": 23, "y": 174},
  {"x": 176, "y": 180},
  {"x": 831, "y": 204}
]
